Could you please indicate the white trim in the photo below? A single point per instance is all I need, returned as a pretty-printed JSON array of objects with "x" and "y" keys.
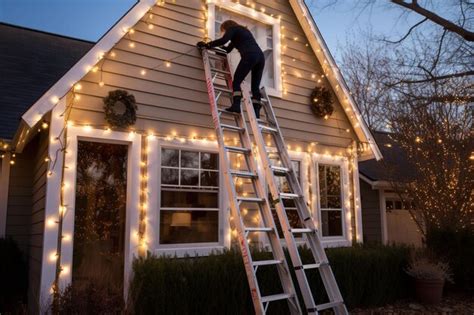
[
  {"x": 52, "y": 204},
  {"x": 82, "y": 67},
  {"x": 324, "y": 56},
  {"x": 357, "y": 201},
  {"x": 133, "y": 141},
  {"x": 4, "y": 186},
  {"x": 261, "y": 17},
  {"x": 191, "y": 249},
  {"x": 343, "y": 163},
  {"x": 383, "y": 216}
]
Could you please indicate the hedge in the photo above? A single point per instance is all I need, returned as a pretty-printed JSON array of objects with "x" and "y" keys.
[
  {"x": 13, "y": 277},
  {"x": 217, "y": 284}
]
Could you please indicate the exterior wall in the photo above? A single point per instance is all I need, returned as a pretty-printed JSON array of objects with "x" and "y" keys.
[
  {"x": 174, "y": 99},
  {"x": 25, "y": 216},
  {"x": 372, "y": 222}
]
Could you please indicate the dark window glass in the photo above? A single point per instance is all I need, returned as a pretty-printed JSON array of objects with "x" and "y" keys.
[
  {"x": 99, "y": 216},
  {"x": 189, "y": 199},
  {"x": 178, "y": 227},
  {"x": 170, "y": 176},
  {"x": 331, "y": 223},
  {"x": 170, "y": 157}
]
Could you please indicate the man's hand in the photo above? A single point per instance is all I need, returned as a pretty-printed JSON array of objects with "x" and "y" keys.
[{"x": 202, "y": 44}]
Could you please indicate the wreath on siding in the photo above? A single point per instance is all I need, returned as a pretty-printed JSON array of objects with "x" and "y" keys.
[
  {"x": 321, "y": 102},
  {"x": 120, "y": 109}
]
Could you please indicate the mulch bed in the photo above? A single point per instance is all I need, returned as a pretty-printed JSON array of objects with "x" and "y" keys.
[{"x": 461, "y": 304}]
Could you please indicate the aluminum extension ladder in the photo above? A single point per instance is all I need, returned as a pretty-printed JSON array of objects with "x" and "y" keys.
[{"x": 219, "y": 82}]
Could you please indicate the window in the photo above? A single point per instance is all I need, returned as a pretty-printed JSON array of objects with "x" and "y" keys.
[
  {"x": 189, "y": 209},
  {"x": 397, "y": 204},
  {"x": 265, "y": 30},
  {"x": 290, "y": 207},
  {"x": 330, "y": 199}
]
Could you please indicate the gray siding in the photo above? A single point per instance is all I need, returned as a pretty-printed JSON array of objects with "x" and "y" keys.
[
  {"x": 371, "y": 220},
  {"x": 26, "y": 201}
]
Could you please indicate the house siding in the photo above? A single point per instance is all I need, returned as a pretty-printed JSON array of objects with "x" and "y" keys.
[
  {"x": 25, "y": 216},
  {"x": 175, "y": 98},
  {"x": 371, "y": 220}
]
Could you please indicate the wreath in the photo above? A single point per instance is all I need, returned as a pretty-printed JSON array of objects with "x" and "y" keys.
[
  {"x": 321, "y": 102},
  {"x": 120, "y": 109}
]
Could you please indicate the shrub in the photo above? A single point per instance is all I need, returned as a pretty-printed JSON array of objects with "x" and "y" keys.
[
  {"x": 457, "y": 248},
  {"x": 217, "y": 284},
  {"x": 13, "y": 276},
  {"x": 89, "y": 298}
]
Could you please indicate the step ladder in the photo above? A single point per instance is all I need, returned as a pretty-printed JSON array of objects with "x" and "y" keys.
[
  {"x": 219, "y": 81},
  {"x": 285, "y": 169}
]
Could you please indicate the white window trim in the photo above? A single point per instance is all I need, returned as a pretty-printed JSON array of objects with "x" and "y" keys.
[
  {"x": 76, "y": 134},
  {"x": 154, "y": 190},
  {"x": 343, "y": 163},
  {"x": 260, "y": 17}
]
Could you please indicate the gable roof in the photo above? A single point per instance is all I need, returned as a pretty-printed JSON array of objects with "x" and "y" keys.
[
  {"x": 58, "y": 90},
  {"x": 395, "y": 166},
  {"x": 31, "y": 61}
]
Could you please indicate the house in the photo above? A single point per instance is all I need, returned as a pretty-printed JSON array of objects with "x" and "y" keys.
[
  {"x": 96, "y": 189},
  {"x": 385, "y": 216}
]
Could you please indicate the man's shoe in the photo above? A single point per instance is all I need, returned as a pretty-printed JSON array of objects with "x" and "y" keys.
[
  {"x": 234, "y": 109},
  {"x": 256, "y": 108}
]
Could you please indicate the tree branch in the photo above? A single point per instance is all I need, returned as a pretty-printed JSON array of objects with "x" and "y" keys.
[
  {"x": 408, "y": 33},
  {"x": 413, "y": 6},
  {"x": 437, "y": 78}
]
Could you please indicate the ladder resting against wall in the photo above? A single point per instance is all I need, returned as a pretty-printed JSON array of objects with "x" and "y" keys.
[{"x": 244, "y": 172}]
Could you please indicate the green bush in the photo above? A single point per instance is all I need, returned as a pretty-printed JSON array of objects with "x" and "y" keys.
[
  {"x": 13, "y": 276},
  {"x": 217, "y": 284},
  {"x": 457, "y": 248}
]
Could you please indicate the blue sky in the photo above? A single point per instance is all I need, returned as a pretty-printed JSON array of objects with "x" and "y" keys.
[{"x": 90, "y": 19}]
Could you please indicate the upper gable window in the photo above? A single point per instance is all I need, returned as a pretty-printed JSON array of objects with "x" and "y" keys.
[{"x": 266, "y": 31}]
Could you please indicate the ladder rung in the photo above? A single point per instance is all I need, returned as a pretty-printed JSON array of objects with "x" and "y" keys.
[
  {"x": 237, "y": 149},
  {"x": 288, "y": 196},
  {"x": 276, "y": 297},
  {"x": 279, "y": 169},
  {"x": 313, "y": 266},
  {"x": 250, "y": 199},
  {"x": 258, "y": 229},
  {"x": 267, "y": 128},
  {"x": 301, "y": 231},
  {"x": 233, "y": 128},
  {"x": 243, "y": 174},
  {"x": 220, "y": 71},
  {"x": 329, "y": 305},
  {"x": 266, "y": 262},
  {"x": 223, "y": 90}
]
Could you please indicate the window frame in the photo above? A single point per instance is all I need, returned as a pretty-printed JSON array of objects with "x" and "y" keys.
[
  {"x": 277, "y": 90},
  {"x": 183, "y": 249},
  {"x": 346, "y": 238}
]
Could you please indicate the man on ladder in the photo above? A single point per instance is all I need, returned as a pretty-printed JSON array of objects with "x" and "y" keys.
[
  {"x": 239, "y": 36},
  {"x": 252, "y": 60}
]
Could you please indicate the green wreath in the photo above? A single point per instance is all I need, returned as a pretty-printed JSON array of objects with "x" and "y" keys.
[
  {"x": 120, "y": 109},
  {"x": 321, "y": 102}
]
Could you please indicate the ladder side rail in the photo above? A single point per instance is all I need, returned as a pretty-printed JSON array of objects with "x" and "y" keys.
[
  {"x": 316, "y": 247},
  {"x": 279, "y": 207},
  {"x": 267, "y": 217},
  {"x": 234, "y": 205}
]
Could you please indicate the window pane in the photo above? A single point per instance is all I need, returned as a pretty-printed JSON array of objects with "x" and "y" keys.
[
  {"x": 398, "y": 205},
  {"x": 189, "y": 178},
  {"x": 330, "y": 186},
  {"x": 209, "y": 161},
  {"x": 209, "y": 178},
  {"x": 331, "y": 223},
  {"x": 99, "y": 217},
  {"x": 189, "y": 159},
  {"x": 178, "y": 227},
  {"x": 169, "y": 176},
  {"x": 189, "y": 199},
  {"x": 169, "y": 157}
]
